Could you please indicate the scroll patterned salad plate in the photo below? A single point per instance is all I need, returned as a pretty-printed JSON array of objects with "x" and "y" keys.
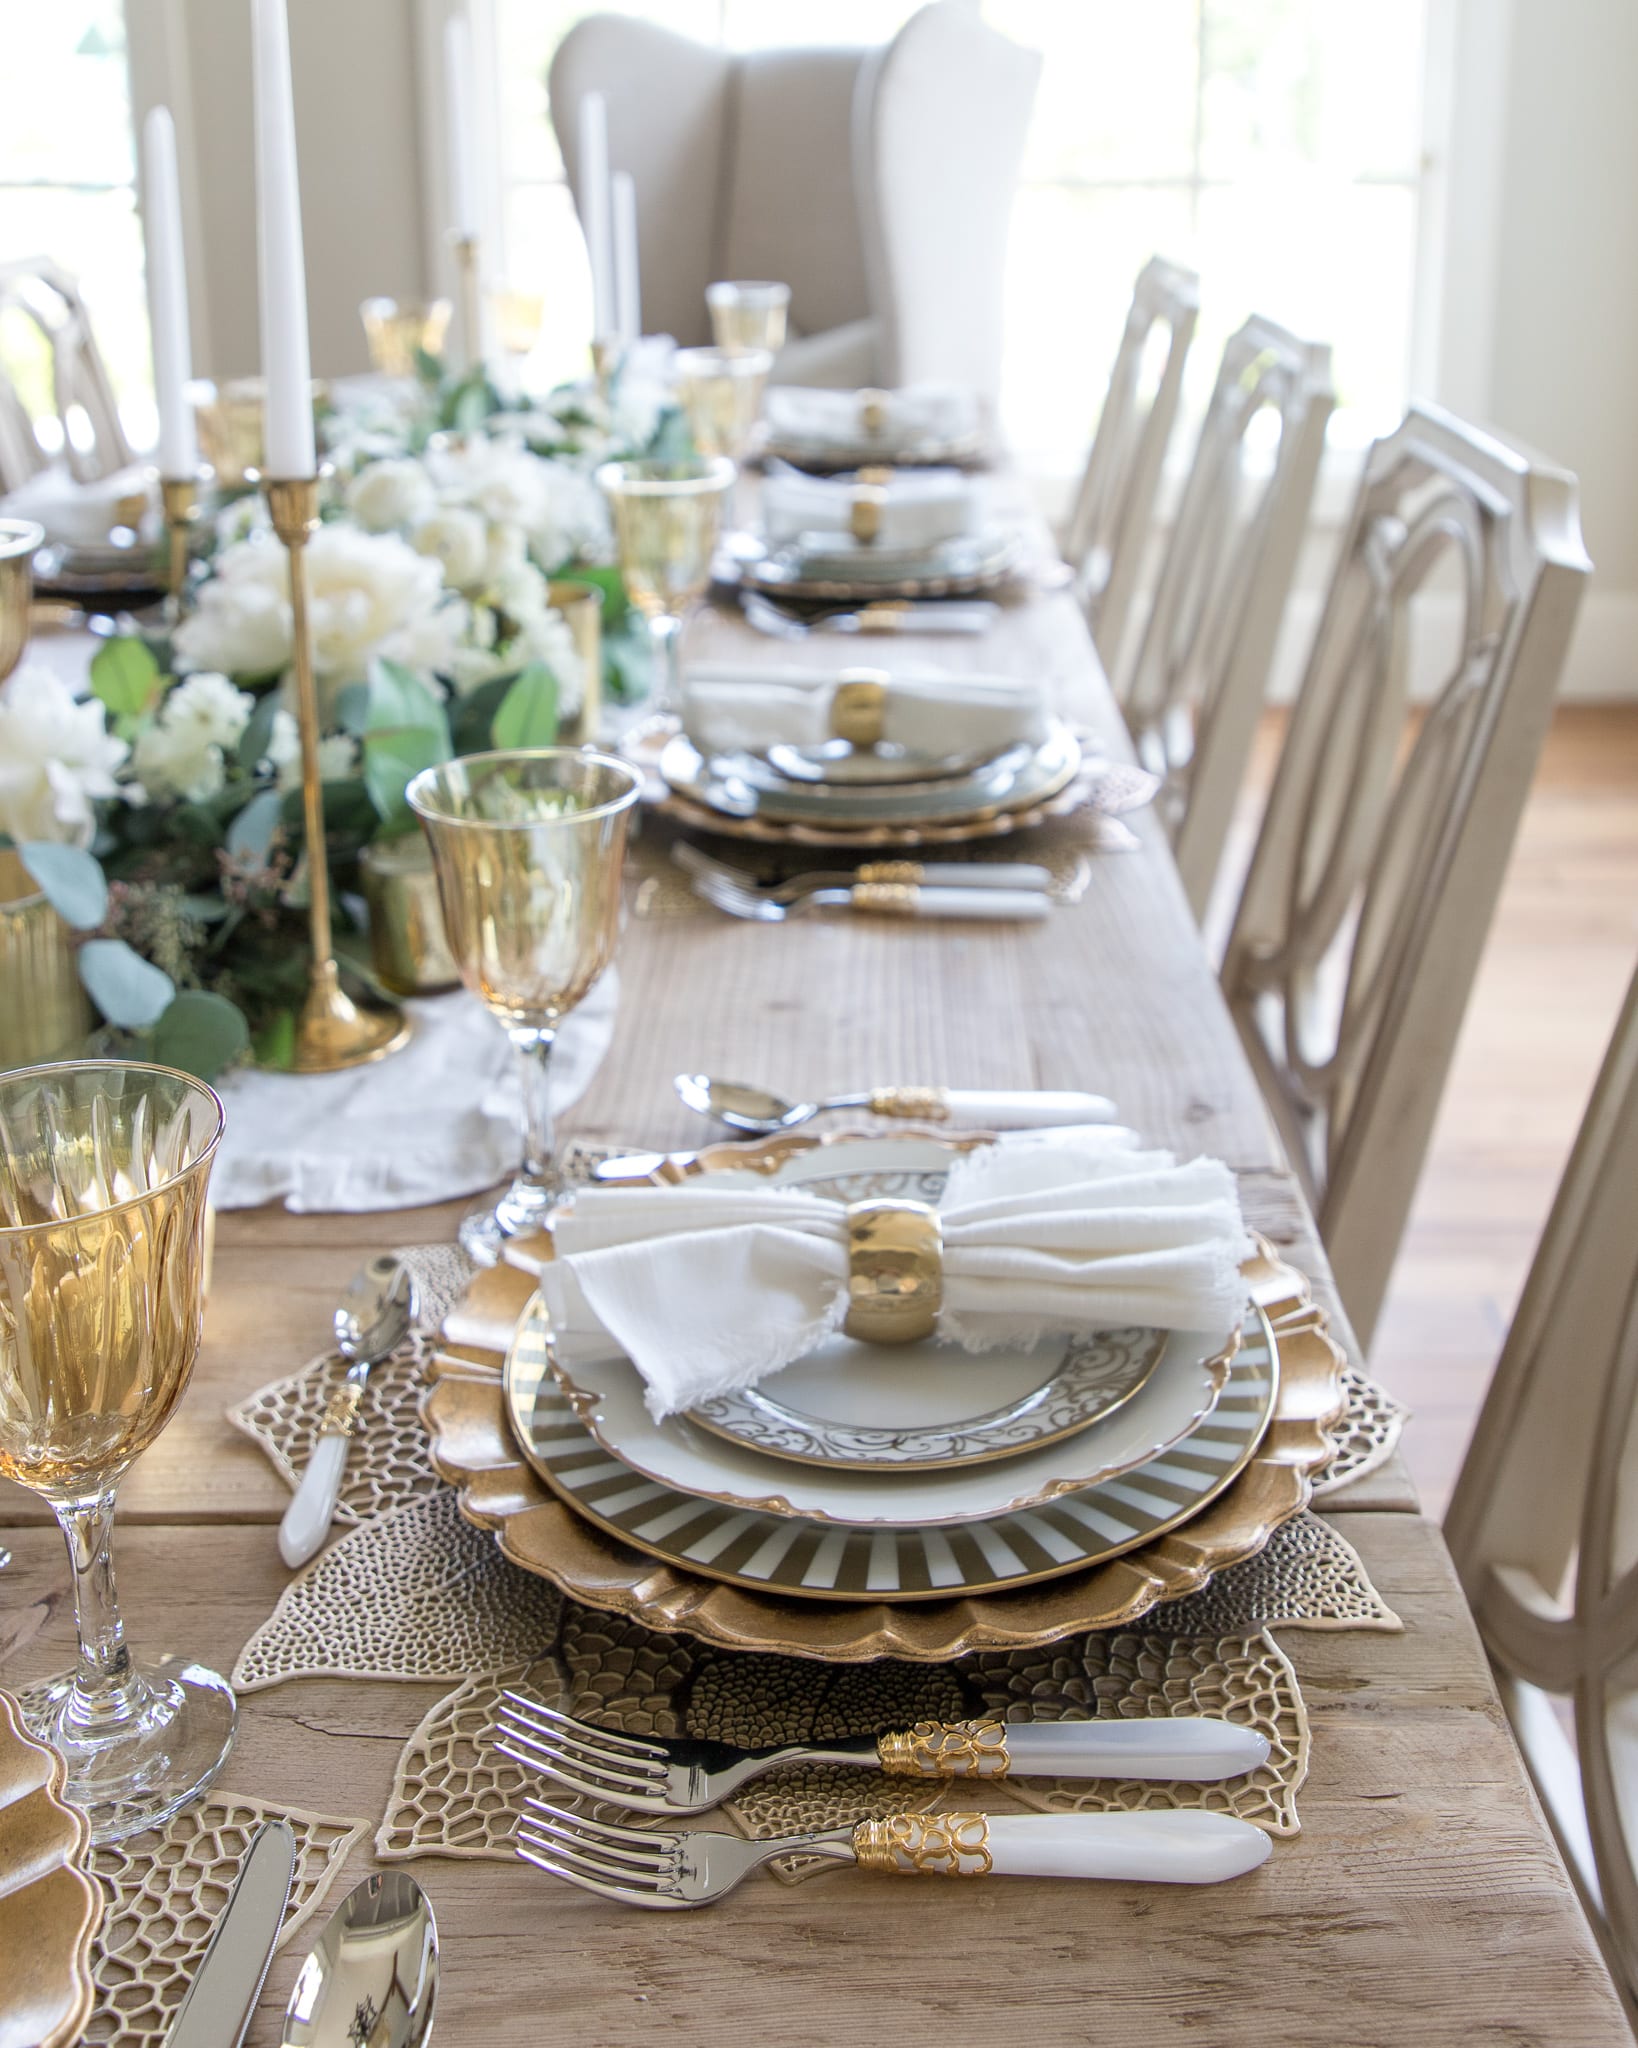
[
  {"x": 806, "y": 1559},
  {"x": 50, "y": 1907},
  {"x": 606, "y": 1394}
]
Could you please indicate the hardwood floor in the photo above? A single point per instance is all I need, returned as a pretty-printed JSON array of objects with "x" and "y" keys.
[{"x": 1560, "y": 954}]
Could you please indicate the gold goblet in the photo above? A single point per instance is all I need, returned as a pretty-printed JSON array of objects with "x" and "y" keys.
[
  {"x": 103, "y": 1172},
  {"x": 749, "y": 314},
  {"x": 396, "y": 328},
  {"x": 667, "y": 517},
  {"x": 528, "y": 847},
  {"x": 19, "y": 541},
  {"x": 721, "y": 391}
]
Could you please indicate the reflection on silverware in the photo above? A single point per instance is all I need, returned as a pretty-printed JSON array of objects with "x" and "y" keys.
[
  {"x": 371, "y": 1321},
  {"x": 676, "y": 1776},
  {"x": 884, "y": 899},
  {"x": 760, "y": 1114},
  {"x": 372, "y": 1975},
  {"x": 216, "y": 2010},
  {"x": 977, "y": 874},
  {"x": 697, "y": 1866}
]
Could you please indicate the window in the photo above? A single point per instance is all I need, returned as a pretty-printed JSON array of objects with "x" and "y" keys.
[
  {"x": 1276, "y": 145},
  {"x": 68, "y": 189}
]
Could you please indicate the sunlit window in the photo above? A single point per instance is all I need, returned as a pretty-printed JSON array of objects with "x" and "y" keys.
[
  {"x": 68, "y": 187},
  {"x": 1273, "y": 144}
]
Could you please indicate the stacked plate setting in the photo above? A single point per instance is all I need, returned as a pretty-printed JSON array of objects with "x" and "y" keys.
[{"x": 900, "y": 1473}]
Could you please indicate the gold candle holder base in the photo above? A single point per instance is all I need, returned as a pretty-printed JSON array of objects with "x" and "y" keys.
[{"x": 332, "y": 1032}]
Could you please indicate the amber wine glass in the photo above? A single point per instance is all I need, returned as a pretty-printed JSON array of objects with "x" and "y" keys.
[
  {"x": 103, "y": 1170},
  {"x": 400, "y": 330},
  {"x": 667, "y": 517},
  {"x": 528, "y": 849},
  {"x": 749, "y": 313},
  {"x": 721, "y": 393}
]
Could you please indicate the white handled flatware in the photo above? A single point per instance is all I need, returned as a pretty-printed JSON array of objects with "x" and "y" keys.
[
  {"x": 673, "y": 1776},
  {"x": 761, "y": 1114},
  {"x": 215, "y": 2013},
  {"x": 371, "y": 1321},
  {"x": 697, "y": 1866},
  {"x": 950, "y": 874},
  {"x": 880, "y": 899}
]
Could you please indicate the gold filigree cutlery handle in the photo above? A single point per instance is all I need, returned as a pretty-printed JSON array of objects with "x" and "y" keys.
[
  {"x": 925, "y": 1845},
  {"x": 946, "y": 1749}
]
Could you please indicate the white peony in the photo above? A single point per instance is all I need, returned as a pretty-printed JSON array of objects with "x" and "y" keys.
[
  {"x": 390, "y": 496},
  {"x": 371, "y": 595},
  {"x": 183, "y": 753},
  {"x": 56, "y": 756},
  {"x": 456, "y": 536},
  {"x": 559, "y": 510}
]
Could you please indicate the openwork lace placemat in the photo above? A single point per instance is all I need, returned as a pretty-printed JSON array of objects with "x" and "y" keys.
[{"x": 166, "y": 1890}]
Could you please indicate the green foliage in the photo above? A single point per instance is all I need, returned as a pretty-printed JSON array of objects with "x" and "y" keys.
[
  {"x": 250, "y": 833},
  {"x": 129, "y": 991},
  {"x": 628, "y": 666},
  {"x": 257, "y": 736},
  {"x": 70, "y": 880},
  {"x": 405, "y": 730},
  {"x": 275, "y": 1044},
  {"x": 126, "y": 680},
  {"x": 201, "y": 1033},
  {"x": 527, "y": 716},
  {"x": 616, "y": 604}
]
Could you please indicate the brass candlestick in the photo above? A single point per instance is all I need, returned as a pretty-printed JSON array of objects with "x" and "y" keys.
[
  {"x": 332, "y": 1031},
  {"x": 466, "y": 259},
  {"x": 179, "y": 496},
  {"x": 605, "y": 357}
]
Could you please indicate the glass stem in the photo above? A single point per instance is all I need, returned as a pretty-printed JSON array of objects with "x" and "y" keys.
[
  {"x": 106, "y": 1691},
  {"x": 666, "y": 694},
  {"x": 534, "y": 1050}
]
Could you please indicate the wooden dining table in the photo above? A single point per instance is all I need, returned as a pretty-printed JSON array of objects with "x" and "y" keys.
[{"x": 1423, "y": 1901}]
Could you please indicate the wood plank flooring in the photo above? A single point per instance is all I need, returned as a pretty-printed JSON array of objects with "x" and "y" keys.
[{"x": 1561, "y": 952}]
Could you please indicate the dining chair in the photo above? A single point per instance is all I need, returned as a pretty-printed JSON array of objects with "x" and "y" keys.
[
  {"x": 876, "y": 183},
  {"x": 1542, "y": 1525},
  {"x": 1109, "y": 525},
  {"x": 40, "y": 304},
  {"x": 1201, "y": 671},
  {"x": 1381, "y": 851}
]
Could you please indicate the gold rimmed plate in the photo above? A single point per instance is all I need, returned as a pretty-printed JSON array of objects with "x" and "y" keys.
[{"x": 50, "y": 1905}]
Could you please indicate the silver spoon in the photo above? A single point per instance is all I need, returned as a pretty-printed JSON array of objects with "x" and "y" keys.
[
  {"x": 760, "y": 1114},
  {"x": 753, "y": 1110},
  {"x": 371, "y": 1321},
  {"x": 372, "y": 1975}
]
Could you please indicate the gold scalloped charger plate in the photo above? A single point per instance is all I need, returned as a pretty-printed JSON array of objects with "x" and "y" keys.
[{"x": 50, "y": 1905}]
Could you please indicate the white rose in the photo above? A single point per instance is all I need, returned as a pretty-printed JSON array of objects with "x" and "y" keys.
[
  {"x": 500, "y": 479},
  {"x": 56, "y": 756},
  {"x": 390, "y": 495},
  {"x": 458, "y": 537},
  {"x": 241, "y": 624},
  {"x": 210, "y": 707},
  {"x": 183, "y": 753}
]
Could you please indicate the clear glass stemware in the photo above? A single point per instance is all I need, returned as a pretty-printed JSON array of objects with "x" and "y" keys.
[
  {"x": 667, "y": 520},
  {"x": 103, "y": 1172},
  {"x": 528, "y": 848}
]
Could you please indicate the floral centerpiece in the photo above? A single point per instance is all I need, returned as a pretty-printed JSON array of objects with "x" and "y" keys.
[{"x": 163, "y": 816}]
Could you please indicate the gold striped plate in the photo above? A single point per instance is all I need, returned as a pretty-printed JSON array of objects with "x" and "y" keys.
[{"x": 812, "y": 1560}]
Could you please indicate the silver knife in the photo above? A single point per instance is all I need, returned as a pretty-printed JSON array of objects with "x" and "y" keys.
[{"x": 220, "y": 2000}]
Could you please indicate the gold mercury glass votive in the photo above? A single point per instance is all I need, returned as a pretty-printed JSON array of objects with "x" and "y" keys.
[
  {"x": 721, "y": 392},
  {"x": 582, "y": 607},
  {"x": 19, "y": 539},
  {"x": 229, "y": 417},
  {"x": 396, "y": 328},
  {"x": 407, "y": 946},
  {"x": 43, "y": 1010},
  {"x": 749, "y": 313}
]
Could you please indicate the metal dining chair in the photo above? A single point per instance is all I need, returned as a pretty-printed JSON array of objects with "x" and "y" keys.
[
  {"x": 1201, "y": 672},
  {"x": 1380, "y": 857},
  {"x": 1543, "y": 1522},
  {"x": 1109, "y": 526},
  {"x": 92, "y": 442}
]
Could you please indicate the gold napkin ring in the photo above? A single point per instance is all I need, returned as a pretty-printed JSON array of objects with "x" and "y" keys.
[
  {"x": 858, "y": 705},
  {"x": 946, "y": 1749},
  {"x": 864, "y": 516},
  {"x": 925, "y": 1845},
  {"x": 895, "y": 1271},
  {"x": 872, "y": 411}
]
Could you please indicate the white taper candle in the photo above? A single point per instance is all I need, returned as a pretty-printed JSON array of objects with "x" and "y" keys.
[
  {"x": 460, "y": 86},
  {"x": 628, "y": 290},
  {"x": 287, "y": 434},
  {"x": 595, "y": 209},
  {"x": 168, "y": 296}
]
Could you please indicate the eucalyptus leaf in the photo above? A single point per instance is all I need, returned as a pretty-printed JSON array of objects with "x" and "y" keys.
[
  {"x": 472, "y": 717},
  {"x": 70, "y": 880},
  {"x": 250, "y": 835},
  {"x": 128, "y": 990},
  {"x": 125, "y": 677},
  {"x": 527, "y": 716},
  {"x": 406, "y": 729},
  {"x": 353, "y": 707},
  {"x": 201, "y": 1033},
  {"x": 258, "y": 734}
]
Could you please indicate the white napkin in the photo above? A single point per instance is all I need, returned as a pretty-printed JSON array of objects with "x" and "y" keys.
[
  {"x": 708, "y": 1290},
  {"x": 727, "y": 706},
  {"x": 918, "y": 412},
  {"x": 83, "y": 515},
  {"x": 920, "y": 508}
]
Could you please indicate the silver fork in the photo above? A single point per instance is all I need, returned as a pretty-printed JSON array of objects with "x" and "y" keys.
[
  {"x": 889, "y": 899},
  {"x": 668, "y": 1775},
  {"x": 668, "y": 1870},
  {"x": 995, "y": 874}
]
